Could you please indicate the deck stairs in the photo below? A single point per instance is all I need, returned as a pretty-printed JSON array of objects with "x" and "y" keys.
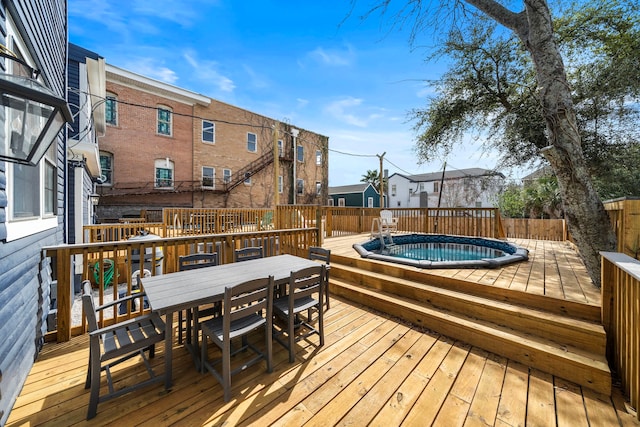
[{"x": 559, "y": 337}]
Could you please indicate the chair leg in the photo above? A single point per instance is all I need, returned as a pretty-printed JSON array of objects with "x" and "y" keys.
[
  {"x": 226, "y": 370},
  {"x": 292, "y": 338},
  {"x": 326, "y": 291},
  {"x": 94, "y": 363}
]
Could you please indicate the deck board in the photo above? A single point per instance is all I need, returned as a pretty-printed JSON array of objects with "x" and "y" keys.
[{"x": 373, "y": 369}]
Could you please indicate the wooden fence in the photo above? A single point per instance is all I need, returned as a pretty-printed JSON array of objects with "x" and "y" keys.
[
  {"x": 485, "y": 222},
  {"x": 110, "y": 264},
  {"x": 625, "y": 219},
  {"x": 621, "y": 320},
  {"x": 539, "y": 229}
]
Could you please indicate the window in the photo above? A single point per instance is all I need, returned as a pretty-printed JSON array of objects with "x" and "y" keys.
[
  {"x": 111, "y": 109},
  {"x": 341, "y": 202},
  {"x": 208, "y": 132},
  {"x": 300, "y": 186},
  {"x": 330, "y": 201},
  {"x": 208, "y": 177},
  {"x": 369, "y": 202},
  {"x": 106, "y": 165},
  {"x": 164, "y": 173},
  {"x": 164, "y": 121},
  {"x": 252, "y": 142},
  {"x": 226, "y": 176},
  {"x": 393, "y": 189},
  {"x": 300, "y": 153},
  {"x": 318, "y": 158},
  {"x": 280, "y": 145},
  {"x": 247, "y": 178},
  {"x": 318, "y": 187},
  {"x": 436, "y": 187},
  {"x": 32, "y": 191},
  {"x": 478, "y": 204},
  {"x": 280, "y": 184},
  {"x": 421, "y": 187}
]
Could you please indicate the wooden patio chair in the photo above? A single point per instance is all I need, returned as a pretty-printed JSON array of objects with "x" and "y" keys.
[
  {"x": 116, "y": 343},
  {"x": 242, "y": 308},
  {"x": 246, "y": 254},
  {"x": 191, "y": 262},
  {"x": 303, "y": 284},
  {"x": 324, "y": 255}
]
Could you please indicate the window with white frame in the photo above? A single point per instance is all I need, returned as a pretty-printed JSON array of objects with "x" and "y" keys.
[
  {"x": 164, "y": 173},
  {"x": 318, "y": 187},
  {"x": 393, "y": 189},
  {"x": 247, "y": 179},
  {"x": 111, "y": 109},
  {"x": 208, "y": 177},
  {"x": 330, "y": 201},
  {"x": 252, "y": 142},
  {"x": 318, "y": 158},
  {"x": 369, "y": 202},
  {"x": 300, "y": 186},
  {"x": 300, "y": 153},
  {"x": 280, "y": 145},
  {"x": 280, "y": 184},
  {"x": 106, "y": 166},
  {"x": 226, "y": 176},
  {"x": 164, "y": 120},
  {"x": 436, "y": 187},
  {"x": 341, "y": 202},
  {"x": 208, "y": 132},
  {"x": 32, "y": 191}
]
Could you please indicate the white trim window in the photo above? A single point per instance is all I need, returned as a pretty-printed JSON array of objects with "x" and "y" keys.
[
  {"x": 106, "y": 166},
  {"x": 32, "y": 191},
  {"x": 164, "y": 173},
  {"x": 165, "y": 118},
  {"x": 318, "y": 187},
  {"x": 341, "y": 202},
  {"x": 226, "y": 176},
  {"x": 318, "y": 158},
  {"x": 369, "y": 202},
  {"x": 299, "y": 187},
  {"x": 252, "y": 142},
  {"x": 208, "y": 177},
  {"x": 111, "y": 109},
  {"x": 208, "y": 132},
  {"x": 280, "y": 184},
  {"x": 280, "y": 147},
  {"x": 330, "y": 201},
  {"x": 300, "y": 153}
]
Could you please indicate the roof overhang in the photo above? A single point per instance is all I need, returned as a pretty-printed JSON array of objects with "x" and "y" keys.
[{"x": 88, "y": 152}]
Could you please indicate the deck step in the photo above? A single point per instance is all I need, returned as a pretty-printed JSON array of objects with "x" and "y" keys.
[{"x": 529, "y": 336}]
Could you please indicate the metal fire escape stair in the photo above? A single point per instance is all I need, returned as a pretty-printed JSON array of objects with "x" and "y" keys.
[{"x": 249, "y": 170}]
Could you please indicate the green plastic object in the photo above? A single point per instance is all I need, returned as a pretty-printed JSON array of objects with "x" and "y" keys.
[{"x": 108, "y": 269}]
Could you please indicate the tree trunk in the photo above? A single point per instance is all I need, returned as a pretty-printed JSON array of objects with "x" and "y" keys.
[{"x": 586, "y": 217}]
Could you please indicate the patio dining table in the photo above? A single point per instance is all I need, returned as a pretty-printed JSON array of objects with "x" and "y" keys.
[{"x": 186, "y": 290}]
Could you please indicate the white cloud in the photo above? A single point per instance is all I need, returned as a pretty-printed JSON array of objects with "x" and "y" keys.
[
  {"x": 206, "y": 71},
  {"x": 351, "y": 110},
  {"x": 150, "y": 67},
  {"x": 333, "y": 57}
]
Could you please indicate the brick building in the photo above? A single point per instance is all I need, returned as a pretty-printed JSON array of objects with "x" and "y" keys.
[{"x": 168, "y": 147}]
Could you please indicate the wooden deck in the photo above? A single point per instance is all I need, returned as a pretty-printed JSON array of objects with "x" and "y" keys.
[
  {"x": 373, "y": 370},
  {"x": 554, "y": 269}
]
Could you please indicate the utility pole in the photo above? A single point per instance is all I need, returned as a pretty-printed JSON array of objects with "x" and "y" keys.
[
  {"x": 276, "y": 166},
  {"x": 381, "y": 157}
]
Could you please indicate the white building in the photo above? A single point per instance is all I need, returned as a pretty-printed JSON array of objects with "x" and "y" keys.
[{"x": 469, "y": 188}]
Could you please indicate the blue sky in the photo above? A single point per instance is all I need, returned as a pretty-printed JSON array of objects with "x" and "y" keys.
[{"x": 310, "y": 63}]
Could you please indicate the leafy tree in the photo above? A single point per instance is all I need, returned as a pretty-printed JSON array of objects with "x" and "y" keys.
[
  {"x": 373, "y": 177},
  {"x": 538, "y": 84}
]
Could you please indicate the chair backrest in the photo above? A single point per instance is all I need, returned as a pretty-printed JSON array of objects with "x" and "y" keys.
[
  {"x": 246, "y": 299},
  {"x": 321, "y": 254},
  {"x": 386, "y": 214},
  {"x": 305, "y": 282},
  {"x": 193, "y": 261},
  {"x": 89, "y": 306},
  {"x": 245, "y": 254}
]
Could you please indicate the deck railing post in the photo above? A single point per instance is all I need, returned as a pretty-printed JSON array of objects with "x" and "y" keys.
[{"x": 63, "y": 269}]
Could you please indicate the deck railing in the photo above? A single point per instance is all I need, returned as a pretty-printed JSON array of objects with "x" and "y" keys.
[
  {"x": 485, "y": 222},
  {"x": 110, "y": 265},
  {"x": 621, "y": 320},
  {"x": 538, "y": 229}
]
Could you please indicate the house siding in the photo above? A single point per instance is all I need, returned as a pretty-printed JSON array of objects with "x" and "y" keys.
[{"x": 24, "y": 277}]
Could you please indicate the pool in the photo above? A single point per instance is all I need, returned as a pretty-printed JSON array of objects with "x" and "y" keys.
[{"x": 442, "y": 251}]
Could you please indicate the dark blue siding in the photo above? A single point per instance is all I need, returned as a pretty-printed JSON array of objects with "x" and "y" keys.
[{"x": 24, "y": 277}]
